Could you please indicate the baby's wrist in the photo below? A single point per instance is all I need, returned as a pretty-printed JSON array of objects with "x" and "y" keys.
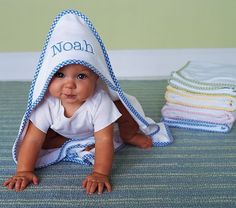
[
  {"x": 24, "y": 171},
  {"x": 100, "y": 174}
]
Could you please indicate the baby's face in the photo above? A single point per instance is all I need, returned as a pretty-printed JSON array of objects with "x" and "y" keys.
[{"x": 73, "y": 84}]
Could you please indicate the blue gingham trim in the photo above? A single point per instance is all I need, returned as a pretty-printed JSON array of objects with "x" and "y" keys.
[
  {"x": 85, "y": 160},
  {"x": 65, "y": 155},
  {"x": 163, "y": 144},
  {"x": 197, "y": 125}
]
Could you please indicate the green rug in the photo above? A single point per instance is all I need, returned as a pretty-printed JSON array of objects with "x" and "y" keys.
[{"x": 197, "y": 170}]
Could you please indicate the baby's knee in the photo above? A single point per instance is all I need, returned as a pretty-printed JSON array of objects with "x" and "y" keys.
[
  {"x": 128, "y": 128},
  {"x": 127, "y": 125},
  {"x": 128, "y": 134}
]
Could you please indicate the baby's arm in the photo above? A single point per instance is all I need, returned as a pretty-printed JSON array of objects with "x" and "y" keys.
[
  {"x": 27, "y": 158},
  {"x": 104, "y": 150}
]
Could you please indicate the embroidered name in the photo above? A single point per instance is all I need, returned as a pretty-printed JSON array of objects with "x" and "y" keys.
[{"x": 68, "y": 46}]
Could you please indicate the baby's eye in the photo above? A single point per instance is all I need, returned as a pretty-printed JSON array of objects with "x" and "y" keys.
[
  {"x": 81, "y": 76},
  {"x": 59, "y": 75}
]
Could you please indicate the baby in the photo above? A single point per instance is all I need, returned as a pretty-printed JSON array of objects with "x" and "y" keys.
[
  {"x": 75, "y": 107},
  {"x": 74, "y": 101}
]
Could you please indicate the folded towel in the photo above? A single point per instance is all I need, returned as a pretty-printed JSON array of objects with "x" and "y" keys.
[
  {"x": 198, "y": 125},
  {"x": 228, "y": 91},
  {"x": 201, "y": 96},
  {"x": 208, "y": 74},
  {"x": 219, "y": 102},
  {"x": 72, "y": 39},
  {"x": 175, "y": 111},
  {"x": 207, "y": 78}
]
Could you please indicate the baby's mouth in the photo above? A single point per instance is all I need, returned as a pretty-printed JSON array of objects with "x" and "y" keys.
[{"x": 69, "y": 96}]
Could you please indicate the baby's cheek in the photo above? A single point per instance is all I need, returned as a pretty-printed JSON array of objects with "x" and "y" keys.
[
  {"x": 53, "y": 89},
  {"x": 86, "y": 92}
]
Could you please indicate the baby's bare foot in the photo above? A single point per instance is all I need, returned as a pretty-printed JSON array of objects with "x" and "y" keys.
[{"x": 141, "y": 141}]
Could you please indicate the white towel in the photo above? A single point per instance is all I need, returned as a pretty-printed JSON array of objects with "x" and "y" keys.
[
  {"x": 72, "y": 39},
  {"x": 228, "y": 91},
  {"x": 209, "y": 78},
  {"x": 218, "y": 102},
  {"x": 175, "y": 111}
]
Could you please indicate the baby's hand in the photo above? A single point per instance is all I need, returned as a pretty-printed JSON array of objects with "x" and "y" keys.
[
  {"x": 21, "y": 180},
  {"x": 96, "y": 181}
]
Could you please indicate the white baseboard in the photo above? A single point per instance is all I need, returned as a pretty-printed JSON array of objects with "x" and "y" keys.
[{"x": 127, "y": 64}]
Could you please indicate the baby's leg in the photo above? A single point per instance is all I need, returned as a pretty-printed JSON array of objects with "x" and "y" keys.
[
  {"x": 53, "y": 140},
  {"x": 129, "y": 129}
]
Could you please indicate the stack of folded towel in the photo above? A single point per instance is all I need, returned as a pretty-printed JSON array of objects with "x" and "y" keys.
[{"x": 201, "y": 96}]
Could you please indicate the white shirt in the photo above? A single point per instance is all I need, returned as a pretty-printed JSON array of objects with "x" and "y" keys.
[{"x": 96, "y": 113}]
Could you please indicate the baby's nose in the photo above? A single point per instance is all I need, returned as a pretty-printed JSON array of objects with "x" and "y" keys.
[{"x": 70, "y": 83}]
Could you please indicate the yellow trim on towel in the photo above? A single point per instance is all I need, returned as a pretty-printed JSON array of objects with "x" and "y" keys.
[{"x": 197, "y": 96}]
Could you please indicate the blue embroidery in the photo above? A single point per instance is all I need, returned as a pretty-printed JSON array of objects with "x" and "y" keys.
[{"x": 68, "y": 46}]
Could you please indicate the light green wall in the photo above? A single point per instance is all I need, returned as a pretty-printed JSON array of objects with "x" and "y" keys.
[{"x": 124, "y": 24}]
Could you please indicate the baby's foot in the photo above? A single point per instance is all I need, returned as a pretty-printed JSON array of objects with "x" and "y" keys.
[{"x": 141, "y": 141}]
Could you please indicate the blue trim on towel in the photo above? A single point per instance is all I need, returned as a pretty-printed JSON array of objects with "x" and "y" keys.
[
  {"x": 162, "y": 144},
  {"x": 192, "y": 124},
  {"x": 71, "y": 159},
  {"x": 85, "y": 160}
]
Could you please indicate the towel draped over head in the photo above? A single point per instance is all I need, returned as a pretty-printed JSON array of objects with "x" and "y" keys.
[{"x": 72, "y": 39}]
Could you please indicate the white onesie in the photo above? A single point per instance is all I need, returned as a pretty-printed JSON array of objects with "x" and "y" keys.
[{"x": 96, "y": 113}]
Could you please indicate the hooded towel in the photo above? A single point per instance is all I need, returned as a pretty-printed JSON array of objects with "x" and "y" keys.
[{"x": 72, "y": 39}]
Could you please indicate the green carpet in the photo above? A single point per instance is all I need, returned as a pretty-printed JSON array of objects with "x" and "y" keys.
[{"x": 197, "y": 170}]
